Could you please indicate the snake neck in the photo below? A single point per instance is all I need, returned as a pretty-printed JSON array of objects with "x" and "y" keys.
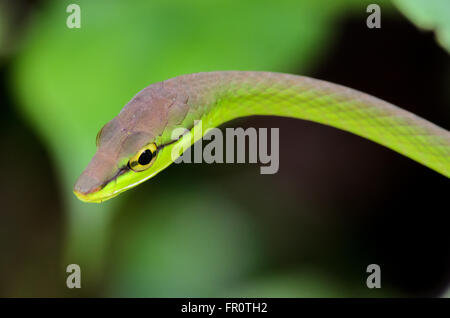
[{"x": 218, "y": 97}]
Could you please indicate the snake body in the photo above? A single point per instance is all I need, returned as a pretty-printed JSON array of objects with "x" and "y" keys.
[{"x": 218, "y": 97}]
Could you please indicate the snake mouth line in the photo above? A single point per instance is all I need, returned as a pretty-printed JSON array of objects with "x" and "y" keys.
[
  {"x": 124, "y": 169},
  {"x": 87, "y": 198}
]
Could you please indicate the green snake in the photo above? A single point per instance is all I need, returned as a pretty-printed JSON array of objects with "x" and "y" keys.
[{"x": 137, "y": 143}]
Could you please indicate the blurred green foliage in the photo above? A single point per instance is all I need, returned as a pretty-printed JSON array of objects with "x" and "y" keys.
[
  {"x": 430, "y": 15},
  {"x": 205, "y": 247},
  {"x": 447, "y": 294}
]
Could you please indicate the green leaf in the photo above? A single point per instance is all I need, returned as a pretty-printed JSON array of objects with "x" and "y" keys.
[{"x": 430, "y": 15}]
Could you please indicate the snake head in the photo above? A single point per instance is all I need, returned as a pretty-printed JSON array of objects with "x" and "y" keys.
[{"x": 134, "y": 146}]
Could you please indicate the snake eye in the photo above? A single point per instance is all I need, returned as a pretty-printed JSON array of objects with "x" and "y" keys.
[{"x": 144, "y": 158}]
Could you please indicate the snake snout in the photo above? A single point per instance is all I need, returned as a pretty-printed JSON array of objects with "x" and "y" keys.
[
  {"x": 97, "y": 174},
  {"x": 87, "y": 184}
]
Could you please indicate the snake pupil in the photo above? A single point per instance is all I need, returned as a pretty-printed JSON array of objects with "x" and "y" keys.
[{"x": 145, "y": 157}]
